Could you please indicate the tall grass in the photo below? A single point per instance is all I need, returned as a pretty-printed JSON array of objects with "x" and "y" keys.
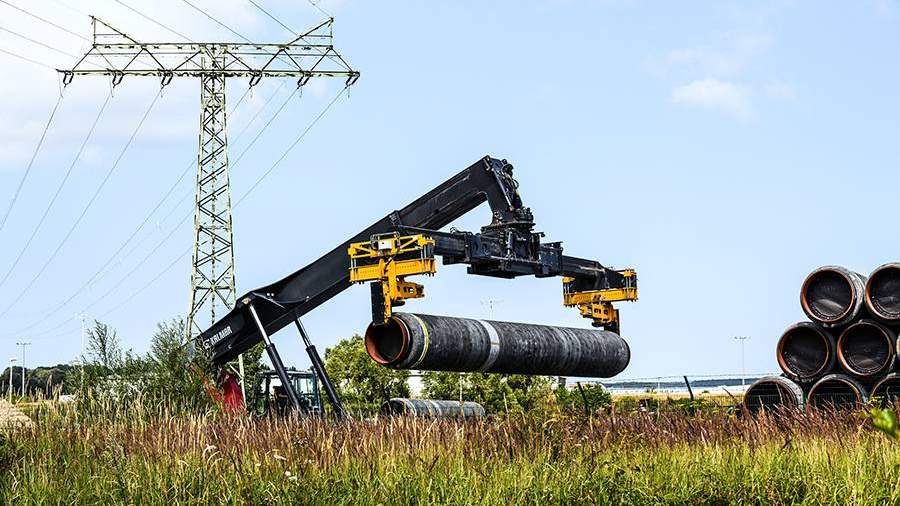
[{"x": 150, "y": 454}]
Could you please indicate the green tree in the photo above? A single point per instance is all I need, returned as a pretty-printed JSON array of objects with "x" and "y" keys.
[
  {"x": 103, "y": 346},
  {"x": 175, "y": 369},
  {"x": 496, "y": 392},
  {"x": 591, "y": 397},
  {"x": 362, "y": 383}
]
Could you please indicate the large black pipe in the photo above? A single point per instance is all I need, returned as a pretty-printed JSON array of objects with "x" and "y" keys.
[
  {"x": 836, "y": 391},
  {"x": 444, "y": 343},
  {"x": 887, "y": 391},
  {"x": 432, "y": 408},
  {"x": 883, "y": 293},
  {"x": 833, "y": 296},
  {"x": 867, "y": 348},
  {"x": 772, "y": 392},
  {"x": 805, "y": 351}
]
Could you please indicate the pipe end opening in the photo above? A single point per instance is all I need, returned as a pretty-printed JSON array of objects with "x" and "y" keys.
[
  {"x": 883, "y": 292},
  {"x": 803, "y": 351},
  {"x": 767, "y": 396},
  {"x": 388, "y": 343},
  {"x": 865, "y": 349},
  {"x": 827, "y": 295},
  {"x": 834, "y": 393}
]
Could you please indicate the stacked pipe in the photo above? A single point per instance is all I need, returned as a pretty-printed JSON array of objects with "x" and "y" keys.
[{"x": 846, "y": 352}]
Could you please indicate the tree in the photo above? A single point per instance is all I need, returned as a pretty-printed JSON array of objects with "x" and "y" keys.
[
  {"x": 590, "y": 398},
  {"x": 103, "y": 347},
  {"x": 498, "y": 393},
  {"x": 174, "y": 368},
  {"x": 361, "y": 382}
]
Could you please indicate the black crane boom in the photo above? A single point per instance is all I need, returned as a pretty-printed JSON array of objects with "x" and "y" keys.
[{"x": 506, "y": 248}]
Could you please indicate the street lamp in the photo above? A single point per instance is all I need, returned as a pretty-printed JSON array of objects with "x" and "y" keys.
[
  {"x": 12, "y": 363},
  {"x": 742, "y": 339},
  {"x": 23, "y": 345}
]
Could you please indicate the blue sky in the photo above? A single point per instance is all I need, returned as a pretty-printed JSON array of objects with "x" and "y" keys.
[{"x": 723, "y": 149}]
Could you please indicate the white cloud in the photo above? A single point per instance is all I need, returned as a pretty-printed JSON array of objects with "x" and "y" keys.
[
  {"x": 729, "y": 57},
  {"x": 713, "y": 94},
  {"x": 31, "y": 90},
  {"x": 780, "y": 91}
]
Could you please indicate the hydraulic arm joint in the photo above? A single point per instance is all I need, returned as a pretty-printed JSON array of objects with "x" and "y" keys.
[
  {"x": 386, "y": 260},
  {"x": 597, "y": 304}
]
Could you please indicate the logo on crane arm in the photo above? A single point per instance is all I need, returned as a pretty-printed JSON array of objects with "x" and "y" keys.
[{"x": 218, "y": 336}]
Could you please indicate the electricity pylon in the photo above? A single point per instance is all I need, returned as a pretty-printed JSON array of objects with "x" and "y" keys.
[{"x": 117, "y": 55}]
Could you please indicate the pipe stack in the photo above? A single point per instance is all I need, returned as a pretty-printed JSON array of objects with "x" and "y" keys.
[{"x": 846, "y": 352}]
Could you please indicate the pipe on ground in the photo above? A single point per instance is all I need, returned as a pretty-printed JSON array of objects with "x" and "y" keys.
[
  {"x": 867, "y": 348},
  {"x": 833, "y": 296},
  {"x": 887, "y": 390},
  {"x": 836, "y": 391},
  {"x": 772, "y": 393},
  {"x": 806, "y": 351},
  {"x": 432, "y": 408},
  {"x": 883, "y": 293},
  {"x": 444, "y": 343}
]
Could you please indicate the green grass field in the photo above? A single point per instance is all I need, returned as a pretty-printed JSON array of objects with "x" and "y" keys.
[{"x": 146, "y": 455}]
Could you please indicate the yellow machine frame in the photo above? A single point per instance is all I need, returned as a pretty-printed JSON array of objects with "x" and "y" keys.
[
  {"x": 597, "y": 304},
  {"x": 389, "y": 258},
  {"x": 376, "y": 260}
]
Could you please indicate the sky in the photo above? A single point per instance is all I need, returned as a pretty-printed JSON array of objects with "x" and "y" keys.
[{"x": 722, "y": 149}]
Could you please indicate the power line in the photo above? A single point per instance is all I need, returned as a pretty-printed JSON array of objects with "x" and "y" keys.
[
  {"x": 58, "y": 190},
  {"x": 30, "y": 163},
  {"x": 25, "y": 58},
  {"x": 174, "y": 262},
  {"x": 51, "y": 23},
  {"x": 87, "y": 207},
  {"x": 96, "y": 275},
  {"x": 223, "y": 25},
  {"x": 155, "y": 22},
  {"x": 148, "y": 284},
  {"x": 175, "y": 228},
  {"x": 272, "y": 17},
  {"x": 315, "y": 3},
  {"x": 33, "y": 41},
  {"x": 263, "y": 129},
  {"x": 292, "y": 146},
  {"x": 73, "y": 9},
  {"x": 147, "y": 218}
]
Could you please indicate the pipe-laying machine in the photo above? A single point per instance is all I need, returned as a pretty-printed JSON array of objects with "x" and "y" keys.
[{"x": 406, "y": 243}]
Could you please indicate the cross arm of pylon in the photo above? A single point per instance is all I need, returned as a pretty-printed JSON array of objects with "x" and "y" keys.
[{"x": 310, "y": 54}]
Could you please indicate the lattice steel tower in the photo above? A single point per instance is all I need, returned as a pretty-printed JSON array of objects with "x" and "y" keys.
[{"x": 115, "y": 54}]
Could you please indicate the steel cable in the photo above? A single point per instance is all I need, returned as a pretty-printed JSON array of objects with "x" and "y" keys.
[
  {"x": 59, "y": 188},
  {"x": 37, "y": 149},
  {"x": 88, "y": 206}
]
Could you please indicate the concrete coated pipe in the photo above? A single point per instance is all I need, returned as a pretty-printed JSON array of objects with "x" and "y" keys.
[
  {"x": 806, "y": 351},
  {"x": 883, "y": 293},
  {"x": 772, "y": 392},
  {"x": 867, "y": 348},
  {"x": 887, "y": 390},
  {"x": 444, "y": 343},
  {"x": 836, "y": 391},
  {"x": 833, "y": 296},
  {"x": 432, "y": 408}
]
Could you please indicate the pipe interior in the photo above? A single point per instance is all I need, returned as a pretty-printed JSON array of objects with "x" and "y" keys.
[
  {"x": 835, "y": 394},
  {"x": 888, "y": 391},
  {"x": 804, "y": 351},
  {"x": 393, "y": 407},
  {"x": 884, "y": 292},
  {"x": 865, "y": 349},
  {"x": 828, "y": 294},
  {"x": 386, "y": 343},
  {"x": 768, "y": 395}
]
